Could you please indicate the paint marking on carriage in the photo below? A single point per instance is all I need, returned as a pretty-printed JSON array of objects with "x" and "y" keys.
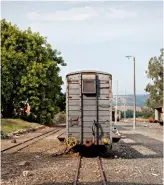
[
  {"x": 127, "y": 140},
  {"x": 143, "y": 150}
]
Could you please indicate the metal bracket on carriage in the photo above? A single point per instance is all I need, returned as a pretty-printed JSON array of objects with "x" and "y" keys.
[
  {"x": 88, "y": 142},
  {"x": 75, "y": 120}
]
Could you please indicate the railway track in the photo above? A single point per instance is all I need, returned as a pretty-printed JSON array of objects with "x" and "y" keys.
[
  {"x": 99, "y": 163},
  {"x": 18, "y": 147}
]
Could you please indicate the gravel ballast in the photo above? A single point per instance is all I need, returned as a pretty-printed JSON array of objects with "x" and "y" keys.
[{"x": 136, "y": 160}]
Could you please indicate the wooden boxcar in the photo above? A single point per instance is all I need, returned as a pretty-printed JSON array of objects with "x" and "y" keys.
[{"x": 89, "y": 108}]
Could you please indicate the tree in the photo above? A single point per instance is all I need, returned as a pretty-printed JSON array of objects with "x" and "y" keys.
[
  {"x": 30, "y": 71},
  {"x": 155, "y": 87},
  {"x": 129, "y": 114},
  {"x": 61, "y": 101},
  {"x": 147, "y": 112}
]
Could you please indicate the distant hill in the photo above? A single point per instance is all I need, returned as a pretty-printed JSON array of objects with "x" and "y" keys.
[{"x": 140, "y": 100}]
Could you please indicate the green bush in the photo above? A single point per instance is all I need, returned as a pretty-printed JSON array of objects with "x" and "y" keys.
[
  {"x": 29, "y": 118},
  {"x": 59, "y": 118},
  {"x": 147, "y": 112},
  {"x": 4, "y": 135}
]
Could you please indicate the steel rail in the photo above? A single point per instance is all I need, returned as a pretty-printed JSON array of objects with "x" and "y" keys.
[
  {"x": 103, "y": 177},
  {"x": 77, "y": 170},
  {"x": 21, "y": 143},
  {"x": 37, "y": 140},
  {"x": 60, "y": 134}
]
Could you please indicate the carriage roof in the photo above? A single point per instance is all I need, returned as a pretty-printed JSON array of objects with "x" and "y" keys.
[{"x": 89, "y": 71}]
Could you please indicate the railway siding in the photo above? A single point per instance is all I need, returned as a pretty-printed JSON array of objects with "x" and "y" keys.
[
  {"x": 28, "y": 142},
  {"x": 5, "y": 143}
]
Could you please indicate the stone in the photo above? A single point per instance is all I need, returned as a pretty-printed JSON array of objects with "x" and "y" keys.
[
  {"x": 37, "y": 156},
  {"x": 24, "y": 163},
  {"x": 27, "y": 173},
  {"x": 16, "y": 136},
  {"x": 154, "y": 174},
  {"x": 13, "y": 141},
  {"x": 10, "y": 135}
]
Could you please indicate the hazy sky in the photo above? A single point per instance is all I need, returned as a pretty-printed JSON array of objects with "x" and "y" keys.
[{"x": 97, "y": 35}]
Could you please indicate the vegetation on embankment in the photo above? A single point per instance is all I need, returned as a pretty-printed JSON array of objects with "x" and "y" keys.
[{"x": 11, "y": 125}]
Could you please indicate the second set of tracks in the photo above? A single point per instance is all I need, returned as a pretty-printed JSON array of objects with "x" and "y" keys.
[
  {"x": 99, "y": 163},
  {"x": 21, "y": 145}
]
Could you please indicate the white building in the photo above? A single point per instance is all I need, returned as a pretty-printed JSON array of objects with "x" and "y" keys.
[{"x": 159, "y": 115}]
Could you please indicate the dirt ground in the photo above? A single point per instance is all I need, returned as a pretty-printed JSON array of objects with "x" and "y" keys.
[{"x": 136, "y": 160}]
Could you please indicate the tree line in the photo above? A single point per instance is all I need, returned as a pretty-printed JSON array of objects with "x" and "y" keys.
[
  {"x": 144, "y": 113},
  {"x": 30, "y": 73}
]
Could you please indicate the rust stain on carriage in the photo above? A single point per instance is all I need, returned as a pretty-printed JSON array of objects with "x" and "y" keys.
[
  {"x": 75, "y": 118},
  {"x": 74, "y": 121}
]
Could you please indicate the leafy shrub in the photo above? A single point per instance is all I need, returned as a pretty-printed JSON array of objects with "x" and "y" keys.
[
  {"x": 147, "y": 112},
  {"x": 29, "y": 118},
  {"x": 59, "y": 118},
  {"x": 3, "y": 135}
]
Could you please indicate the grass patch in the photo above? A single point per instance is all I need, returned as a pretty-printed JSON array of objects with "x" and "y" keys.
[{"x": 11, "y": 125}]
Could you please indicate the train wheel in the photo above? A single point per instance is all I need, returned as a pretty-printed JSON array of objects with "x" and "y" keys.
[{"x": 71, "y": 141}]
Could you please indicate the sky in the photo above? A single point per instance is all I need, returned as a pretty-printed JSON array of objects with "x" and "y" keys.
[{"x": 94, "y": 35}]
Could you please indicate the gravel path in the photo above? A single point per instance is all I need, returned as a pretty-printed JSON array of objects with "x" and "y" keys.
[
  {"x": 132, "y": 172},
  {"x": 136, "y": 160}
]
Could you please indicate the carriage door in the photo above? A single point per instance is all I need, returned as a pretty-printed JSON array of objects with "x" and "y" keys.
[{"x": 89, "y": 107}]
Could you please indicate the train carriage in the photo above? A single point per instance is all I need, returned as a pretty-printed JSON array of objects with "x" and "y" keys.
[{"x": 89, "y": 108}]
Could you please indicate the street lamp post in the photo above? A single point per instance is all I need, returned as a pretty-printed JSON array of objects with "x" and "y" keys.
[
  {"x": 134, "y": 77},
  {"x": 116, "y": 103},
  {"x": 124, "y": 112},
  {"x": 125, "y": 107}
]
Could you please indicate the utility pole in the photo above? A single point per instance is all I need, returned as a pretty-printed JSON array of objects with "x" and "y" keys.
[
  {"x": 134, "y": 124},
  {"x": 134, "y": 87},
  {"x": 125, "y": 106},
  {"x": 116, "y": 102}
]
